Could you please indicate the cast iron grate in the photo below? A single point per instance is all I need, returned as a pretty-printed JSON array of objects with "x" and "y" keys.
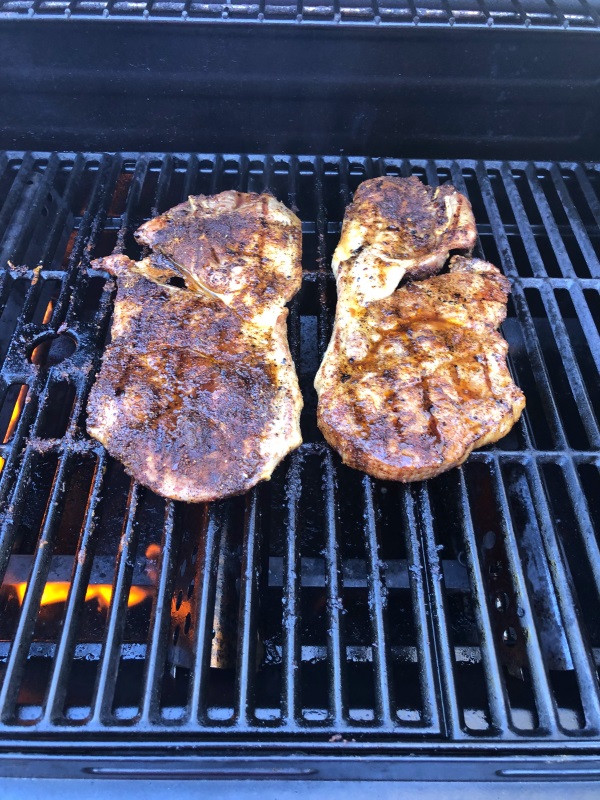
[
  {"x": 546, "y": 14},
  {"x": 325, "y": 607}
]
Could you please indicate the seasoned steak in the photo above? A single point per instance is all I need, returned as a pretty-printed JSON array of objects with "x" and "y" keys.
[
  {"x": 415, "y": 377},
  {"x": 197, "y": 395}
]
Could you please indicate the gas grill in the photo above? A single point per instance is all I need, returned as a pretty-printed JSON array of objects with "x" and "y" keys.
[{"x": 445, "y": 629}]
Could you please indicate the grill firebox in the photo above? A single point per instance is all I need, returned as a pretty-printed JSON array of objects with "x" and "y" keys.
[{"x": 325, "y": 609}]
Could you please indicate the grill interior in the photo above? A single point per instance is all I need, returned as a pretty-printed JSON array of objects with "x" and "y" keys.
[
  {"x": 325, "y": 607},
  {"x": 548, "y": 14}
]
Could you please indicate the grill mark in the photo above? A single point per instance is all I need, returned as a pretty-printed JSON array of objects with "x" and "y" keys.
[{"x": 426, "y": 402}]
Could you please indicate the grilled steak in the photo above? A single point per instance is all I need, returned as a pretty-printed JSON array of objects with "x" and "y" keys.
[
  {"x": 399, "y": 227},
  {"x": 415, "y": 378},
  {"x": 197, "y": 395}
]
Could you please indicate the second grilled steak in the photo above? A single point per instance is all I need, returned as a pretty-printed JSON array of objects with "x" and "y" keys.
[
  {"x": 197, "y": 395},
  {"x": 414, "y": 378}
]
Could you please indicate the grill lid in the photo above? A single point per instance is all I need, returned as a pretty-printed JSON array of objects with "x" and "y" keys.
[{"x": 546, "y": 14}]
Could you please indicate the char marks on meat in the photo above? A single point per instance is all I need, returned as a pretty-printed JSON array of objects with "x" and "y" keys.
[
  {"x": 197, "y": 395},
  {"x": 398, "y": 227},
  {"x": 414, "y": 379}
]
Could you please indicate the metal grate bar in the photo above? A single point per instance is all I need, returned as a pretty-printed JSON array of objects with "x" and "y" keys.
[
  {"x": 538, "y": 366},
  {"x": 216, "y": 176},
  {"x": 18, "y": 235},
  {"x": 133, "y": 197},
  {"x": 487, "y": 192},
  {"x": 588, "y": 191},
  {"x": 580, "y": 393},
  {"x": 549, "y": 222},
  {"x": 377, "y": 603},
  {"x": 290, "y": 599},
  {"x": 206, "y": 576},
  {"x": 16, "y": 191},
  {"x": 60, "y": 220},
  {"x": 545, "y": 704},
  {"x": 532, "y": 344},
  {"x": 440, "y": 621},
  {"x": 244, "y": 701},
  {"x": 590, "y": 11},
  {"x": 89, "y": 229},
  {"x": 429, "y": 696},
  {"x": 3, "y": 168},
  {"x": 459, "y": 183},
  {"x": 592, "y": 334},
  {"x": 556, "y": 11},
  {"x": 497, "y": 699},
  {"x": 94, "y": 217},
  {"x": 523, "y": 223},
  {"x": 291, "y": 656},
  {"x": 156, "y": 652},
  {"x": 585, "y": 527},
  {"x": 33, "y": 594},
  {"x": 243, "y": 171},
  {"x": 337, "y": 700},
  {"x": 577, "y": 225},
  {"x": 585, "y": 669},
  {"x": 162, "y": 186},
  {"x": 82, "y": 566},
  {"x": 521, "y": 12},
  {"x": 107, "y": 671}
]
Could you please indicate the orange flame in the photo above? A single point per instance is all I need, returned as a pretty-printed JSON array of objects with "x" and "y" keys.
[
  {"x": 153, "y": 551},
  {"x": 36, "y": 354},
  {"x": 14, "y": 418},
  {"x": 58, "y": 591},
  {"x": 20, "y": 401},
  {"x": 48, "y": 312}
]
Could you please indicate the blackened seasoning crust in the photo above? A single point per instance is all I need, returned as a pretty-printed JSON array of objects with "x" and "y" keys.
[
  {"x": 396, "y": 228},
  {"x": 197, "y": 395}
]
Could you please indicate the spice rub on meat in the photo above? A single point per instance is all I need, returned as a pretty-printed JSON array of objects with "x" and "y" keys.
[
  {"x": 397, "y": 227},
  {"x": 414, "y": 380},
  {"x": 197, "y": 395}
]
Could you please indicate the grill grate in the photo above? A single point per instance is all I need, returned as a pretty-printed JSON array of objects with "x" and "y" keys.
[
  {"x": 324, "y": 608},
  {"x": 541, "y": 14}
]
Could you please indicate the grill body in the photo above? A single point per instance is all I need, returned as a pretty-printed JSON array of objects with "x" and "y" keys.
[
  {"x": 327, "y": 625},
  {"x": 325, "y": 611}
]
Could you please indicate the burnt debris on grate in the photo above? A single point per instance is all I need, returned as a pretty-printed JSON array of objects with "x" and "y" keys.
[{"x": 324, "y": 604}]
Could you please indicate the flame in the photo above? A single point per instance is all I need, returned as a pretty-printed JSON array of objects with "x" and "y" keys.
[
  {"x": 48, "y": 312},
  {"x": 36, "y": 354},
  {"x": 153, "y": 552},
  {"x": 58, "y": 591},
  {"x": 14, "y": 418},
  {"x": 20, "y": 401}
]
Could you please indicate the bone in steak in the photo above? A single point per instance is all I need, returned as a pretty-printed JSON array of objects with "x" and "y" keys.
[
  {"x": 197, "y": 395},
  {"x": 412, "y": 382}
]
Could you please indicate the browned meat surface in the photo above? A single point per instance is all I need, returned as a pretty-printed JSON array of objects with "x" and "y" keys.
[
  {"x": 197, "y": 395},
  {"x": 398, "y": 227},
  {"x": 412, "y": 383}
]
